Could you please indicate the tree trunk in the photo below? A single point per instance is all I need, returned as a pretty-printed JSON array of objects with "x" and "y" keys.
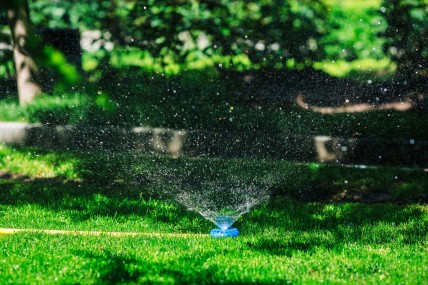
[{"x": 26, "y": 69}]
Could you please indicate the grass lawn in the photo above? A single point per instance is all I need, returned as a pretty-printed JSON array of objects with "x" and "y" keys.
[
  {"x": 288, "y": 239},
  {"x": 281, "y": 242}
]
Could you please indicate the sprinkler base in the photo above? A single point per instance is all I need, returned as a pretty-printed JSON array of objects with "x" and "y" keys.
[{"x": 219, "y": 233}]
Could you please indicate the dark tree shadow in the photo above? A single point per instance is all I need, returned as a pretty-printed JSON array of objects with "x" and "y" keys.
[
  {"x": 280, "y": 248},
  {"x": 115, "y": 268},
  {"x": 119, "y": 269},
  {"x": 351, "y": 225}
]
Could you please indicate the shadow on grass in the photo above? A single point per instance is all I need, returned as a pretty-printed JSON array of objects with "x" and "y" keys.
[
  {"x": 280, "y": 248},
  {"x": 114, "y": 268},
  {"x": 307, "y": 216},
  {"x": 119, "y": 269},
  {"x": 308, "y": 226}
]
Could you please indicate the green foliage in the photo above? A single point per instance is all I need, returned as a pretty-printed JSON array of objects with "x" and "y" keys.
[
  {"x": 353, "y": 30},
  {"x": 9, "y": 4},
  {"x": 407, "y": 35},
  {"x": 367, "y": 67},
  {"x": 73, "y": 14},
  {"x": 267, "y": 33},
  {"x": 6, "y": 54},
  {"x": 122, "y": 58},
  {"x": 65, "y": 73},
  {"x": 280, "y": 34}
]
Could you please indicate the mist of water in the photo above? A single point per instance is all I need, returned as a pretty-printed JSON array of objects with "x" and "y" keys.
[{"x": 223, "y": 202}]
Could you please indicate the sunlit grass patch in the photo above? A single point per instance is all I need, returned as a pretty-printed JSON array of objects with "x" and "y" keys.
[
  {"x": 57, "y": 109},
  {"x": 11, "y": 111},
  {"x": 368, "y": 66},
  {"x": 36, "y": 164}
]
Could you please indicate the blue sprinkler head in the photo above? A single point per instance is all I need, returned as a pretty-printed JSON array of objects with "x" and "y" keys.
[{"x": 219, "y": 233}]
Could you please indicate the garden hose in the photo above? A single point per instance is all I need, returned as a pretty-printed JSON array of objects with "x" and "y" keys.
[{"x": 8, "y": 231}]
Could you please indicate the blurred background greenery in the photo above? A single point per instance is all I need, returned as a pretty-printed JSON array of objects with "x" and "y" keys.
[
  {"x": 170, "y": 37},
  {"x": 185, "y": 64}
]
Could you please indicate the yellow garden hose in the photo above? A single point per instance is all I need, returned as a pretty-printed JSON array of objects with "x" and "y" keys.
[{"x": 6, "y": 231}]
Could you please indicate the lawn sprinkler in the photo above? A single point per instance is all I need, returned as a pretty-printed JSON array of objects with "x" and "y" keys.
[
  {"x": 224, "y": 229},
  {"x": 222, "y": 202}
]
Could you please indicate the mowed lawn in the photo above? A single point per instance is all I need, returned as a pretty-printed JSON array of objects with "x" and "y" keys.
[
  {"x": 284, "y": 240},
  {"x": 281, "y": 242}
]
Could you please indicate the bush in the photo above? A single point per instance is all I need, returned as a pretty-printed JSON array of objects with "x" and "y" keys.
[
  {"x": 267, "y": 32},
  {"x": 353, "y": 30},
  {"x": 407, "y": 36}
]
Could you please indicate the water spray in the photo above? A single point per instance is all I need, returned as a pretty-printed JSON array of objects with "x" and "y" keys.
[{"x": 223, "y": 203}]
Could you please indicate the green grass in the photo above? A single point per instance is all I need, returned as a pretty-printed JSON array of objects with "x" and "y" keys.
[
  {"x": 74, "y": 108},
  {"x": 284, "y": 240},
  {"x": 310, "y": 180},
  {"x": 31, "y": 163},
  {"x": 10, "y": 111}
]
